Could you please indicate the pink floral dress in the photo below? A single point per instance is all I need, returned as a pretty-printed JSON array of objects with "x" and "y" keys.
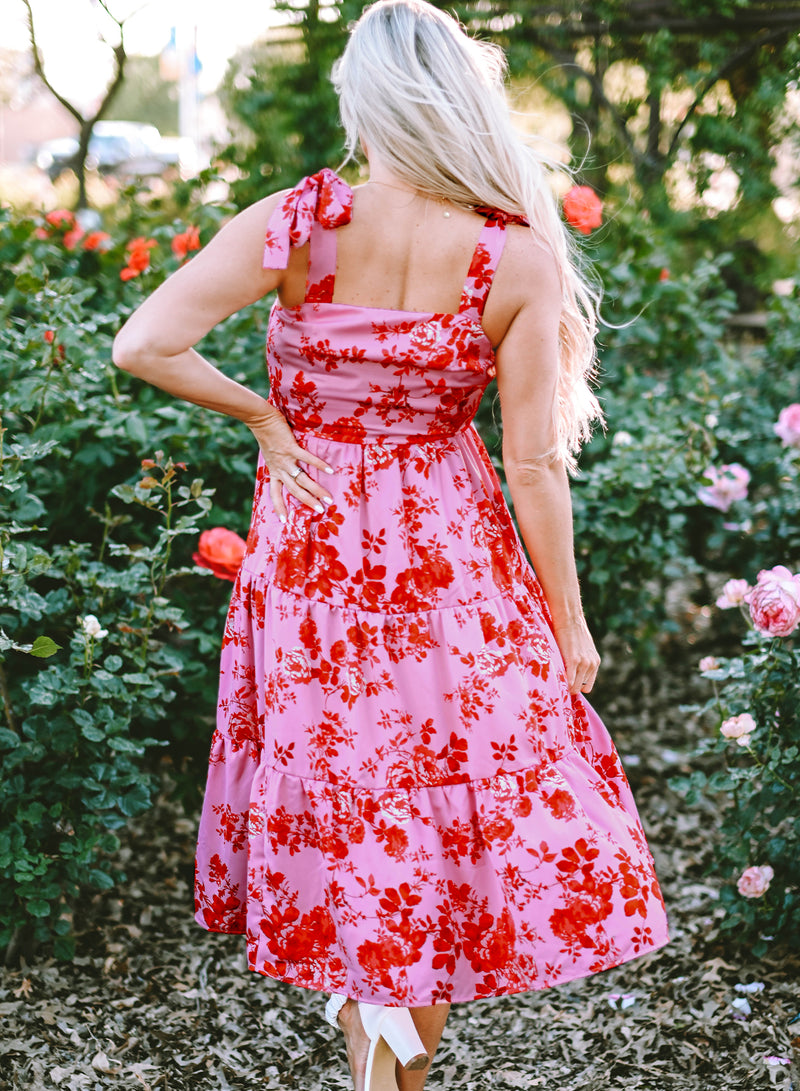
[{"x": 404, "y": 803}]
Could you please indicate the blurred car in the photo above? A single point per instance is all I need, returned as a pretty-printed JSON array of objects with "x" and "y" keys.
[{"x": 125, "y": 149}]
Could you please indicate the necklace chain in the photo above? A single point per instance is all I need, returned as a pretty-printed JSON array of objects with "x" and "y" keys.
[{"x": 412, "y": 192}]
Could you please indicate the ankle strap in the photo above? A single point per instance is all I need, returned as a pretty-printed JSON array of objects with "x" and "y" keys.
[{"x": 333, "y": 1007}]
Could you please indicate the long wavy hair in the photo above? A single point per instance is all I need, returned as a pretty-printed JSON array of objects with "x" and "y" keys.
[{"x": 431, "y": 101}]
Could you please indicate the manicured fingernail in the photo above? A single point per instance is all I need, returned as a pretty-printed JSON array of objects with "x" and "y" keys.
[
  {"x": 329, "y": 470},
  {"x": 282, "y": 518},
  {"x": 319, "y": 508},
  {"x": 327, "y": 500}
]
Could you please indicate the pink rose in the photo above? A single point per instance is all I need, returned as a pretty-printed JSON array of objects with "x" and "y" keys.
[
  {"x": 708, "y": 663},
  {"x": 754, "y": 881},
  {"x": 775, "y": 601},
  {"x": 737, "y": 727},
  {"x": 733, "y": 594},
  {"x": 728, "y": 483},
  {"x": 222, "y": 551},
  {"x": 788, "y": 427}
]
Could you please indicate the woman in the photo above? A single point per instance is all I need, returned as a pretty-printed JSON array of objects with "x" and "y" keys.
[{"x": 409, "y": 801}]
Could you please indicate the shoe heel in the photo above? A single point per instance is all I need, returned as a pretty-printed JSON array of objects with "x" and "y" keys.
[{"x": 396, "y": 1027}]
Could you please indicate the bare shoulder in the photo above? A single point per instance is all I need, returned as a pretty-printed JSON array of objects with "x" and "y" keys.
[
  {"x": 253, "y": 219},
  {"x": 526, "y": 290},
  {"x": 527, "y": 266}
]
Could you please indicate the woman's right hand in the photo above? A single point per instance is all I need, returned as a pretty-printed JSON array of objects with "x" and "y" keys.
[{"x": 282, "y": 455}]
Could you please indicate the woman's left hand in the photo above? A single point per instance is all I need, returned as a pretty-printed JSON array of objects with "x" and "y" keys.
[{"x": 282, "y": 455}]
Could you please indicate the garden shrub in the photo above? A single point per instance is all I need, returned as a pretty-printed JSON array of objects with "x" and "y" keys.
[
  {"x": 105, "y": 647},
  {"x": 677, "y": 395},
  {"x": 755, "y": 717}
]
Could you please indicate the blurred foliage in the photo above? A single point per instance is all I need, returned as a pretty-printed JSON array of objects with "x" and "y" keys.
[
  {"x": 146, "y": 97},
  {"x": 664, "y": 97},
  {"x": 649, "y": 83},
  {"x": 280, "y": 100},
  {"x": 680, "y": 391}
]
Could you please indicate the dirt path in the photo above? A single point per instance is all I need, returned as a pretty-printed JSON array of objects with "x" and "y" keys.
[{"x": 154, "y": 1002}]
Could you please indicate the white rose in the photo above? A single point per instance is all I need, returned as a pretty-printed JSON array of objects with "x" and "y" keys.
[
  {"x": 622, "y": 439},
  {"x": 91, "y": 627},
  {"x": 737, "y": 727}
]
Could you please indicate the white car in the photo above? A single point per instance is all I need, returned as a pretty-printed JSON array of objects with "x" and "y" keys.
[{"x": 126, "y": 149}]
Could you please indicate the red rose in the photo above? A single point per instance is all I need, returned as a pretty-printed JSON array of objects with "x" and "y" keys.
[
  {"x": 138, "y": 257},
  {"x": 222, "y": 551},
  {"x": 73, "y": 237},
  {"x": 583, "y": 209},
  {"x": 96, "y": 240},
  {"x": 186, "y": 241},
  {"x": 60, "y": 217}
]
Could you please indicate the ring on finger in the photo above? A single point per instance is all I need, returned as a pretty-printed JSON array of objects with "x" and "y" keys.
[{"x": 295, "y": 472}]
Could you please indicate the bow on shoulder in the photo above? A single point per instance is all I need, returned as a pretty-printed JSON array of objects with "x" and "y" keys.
[
  {"x": 321, "y": 197},
  {"x": 496, "y": 215}
]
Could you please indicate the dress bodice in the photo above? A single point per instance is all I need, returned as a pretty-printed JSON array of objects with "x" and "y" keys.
[{"x": 363, "y": 374}]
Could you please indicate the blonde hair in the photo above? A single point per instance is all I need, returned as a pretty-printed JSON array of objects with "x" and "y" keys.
[{"x": 431, "y": 102}]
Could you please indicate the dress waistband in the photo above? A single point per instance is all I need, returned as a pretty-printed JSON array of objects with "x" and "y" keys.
[{"x": 360, "y": 438}]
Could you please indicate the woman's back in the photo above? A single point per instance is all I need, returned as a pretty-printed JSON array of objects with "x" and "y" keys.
[{"x": 404, "y": 252}]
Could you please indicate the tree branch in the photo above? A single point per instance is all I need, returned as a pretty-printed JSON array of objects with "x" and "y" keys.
[
  {"x": 567, "y": 60},
  {"x": 731, "y": 63},
  {"x": 39, "y": 68}
]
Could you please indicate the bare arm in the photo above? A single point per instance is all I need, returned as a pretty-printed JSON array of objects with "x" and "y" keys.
[
  {"x": 155, "y": 344},
  {"x": 527, "y": 371}
]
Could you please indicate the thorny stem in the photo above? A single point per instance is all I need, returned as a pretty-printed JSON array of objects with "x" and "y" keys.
[
  {"x": 104, "y": 539},
  {"x": 157, "y": 582},
  {"x": 113, "y": 381},
  {"x": 88, "y": 656},
  {"x": 7, "y": 700},
  {"x": 43, "y": 401}
]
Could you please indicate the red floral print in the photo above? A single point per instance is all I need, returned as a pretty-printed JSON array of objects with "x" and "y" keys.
[{"x": 404, "y": 802}]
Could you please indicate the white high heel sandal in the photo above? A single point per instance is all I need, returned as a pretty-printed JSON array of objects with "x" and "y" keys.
[{"x": 391, "y": 1034}]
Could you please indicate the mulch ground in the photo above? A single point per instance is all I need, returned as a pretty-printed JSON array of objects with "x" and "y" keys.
[{"x": 153, "y": 1002}]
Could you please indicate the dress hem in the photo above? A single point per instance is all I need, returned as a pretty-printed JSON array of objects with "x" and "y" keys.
[{"x": 561, "y": 979}]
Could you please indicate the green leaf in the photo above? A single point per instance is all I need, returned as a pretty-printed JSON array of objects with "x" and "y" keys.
[
  {"x": 28, "y": 284},
  {"x": 43, "y": 647},
  {"x": 124, "y": 745},
  {"x": 38, "y": 908},
  {"x": 134, "y": 426},
  {"x": 92, "y": 733}
]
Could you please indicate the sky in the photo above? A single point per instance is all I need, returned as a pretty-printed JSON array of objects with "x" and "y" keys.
[{"x": 76, "y": 62}]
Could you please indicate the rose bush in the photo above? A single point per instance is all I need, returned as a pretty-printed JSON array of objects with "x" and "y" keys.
[
  {"x": 673, "y": 383},
  {"x": 756, "y": 794}
]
